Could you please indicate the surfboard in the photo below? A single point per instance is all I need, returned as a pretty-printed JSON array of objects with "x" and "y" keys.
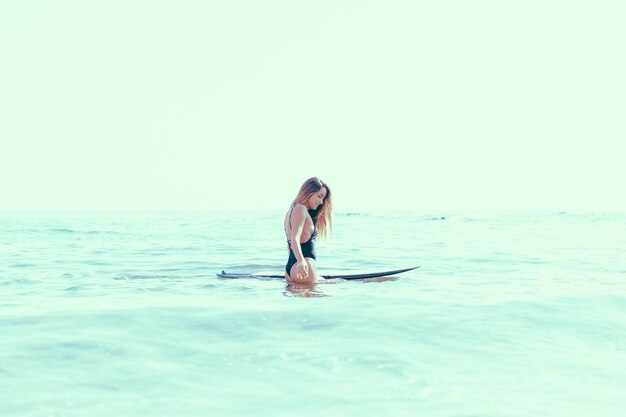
[{"x": 323, "y": 274}]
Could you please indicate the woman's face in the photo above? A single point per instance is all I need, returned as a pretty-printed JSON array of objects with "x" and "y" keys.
[{"x": 316, "y": 199}]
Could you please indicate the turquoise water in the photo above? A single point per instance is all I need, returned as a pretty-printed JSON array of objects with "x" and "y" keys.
[{"x": 120, "y": 313}]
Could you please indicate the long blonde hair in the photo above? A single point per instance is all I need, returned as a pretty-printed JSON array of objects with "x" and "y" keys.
[{"x": 322, "y": 217}]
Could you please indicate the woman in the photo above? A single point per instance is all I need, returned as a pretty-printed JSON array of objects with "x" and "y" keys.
[{"x": 309, "y": 214}]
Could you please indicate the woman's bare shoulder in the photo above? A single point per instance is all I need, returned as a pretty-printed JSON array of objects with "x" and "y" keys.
[
  {"x": 301, "y": 208},
  {"x": 299, "y": 212}
]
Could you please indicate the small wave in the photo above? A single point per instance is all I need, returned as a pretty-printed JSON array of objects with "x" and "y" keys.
[
  {"x": 97, "y": 263},
  {"x": 87, "y": 232},
  {"x": 102, "y": 232},
  {"x": 592, "y": 215},
  {"x": 208, "y": 286},
  {"x": 23, "y": 265},
  {"x": 139, "y": 276},
  {"x": 251, "y": 267}
]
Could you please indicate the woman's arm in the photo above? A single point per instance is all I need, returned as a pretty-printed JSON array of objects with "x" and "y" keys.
[{"x": 301, "y": 268}]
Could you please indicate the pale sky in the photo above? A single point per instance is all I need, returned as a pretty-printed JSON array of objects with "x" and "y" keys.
[{"x": 148, "y": 104}]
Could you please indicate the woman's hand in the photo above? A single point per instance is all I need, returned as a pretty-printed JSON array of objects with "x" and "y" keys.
[{"x": 301, "y": 270}]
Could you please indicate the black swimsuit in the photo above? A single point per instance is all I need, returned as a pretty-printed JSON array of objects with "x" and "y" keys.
[{"x": 308, "y": 247}]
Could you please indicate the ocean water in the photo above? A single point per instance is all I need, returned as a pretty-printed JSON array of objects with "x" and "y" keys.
[{"x": 121, "y": 314}]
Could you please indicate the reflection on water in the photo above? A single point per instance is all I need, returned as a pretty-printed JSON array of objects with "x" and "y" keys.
[
  {"x": 311, "y": 290},
  {"x": 380, "y": 279},
  {"x": 303, "y": 290}
]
